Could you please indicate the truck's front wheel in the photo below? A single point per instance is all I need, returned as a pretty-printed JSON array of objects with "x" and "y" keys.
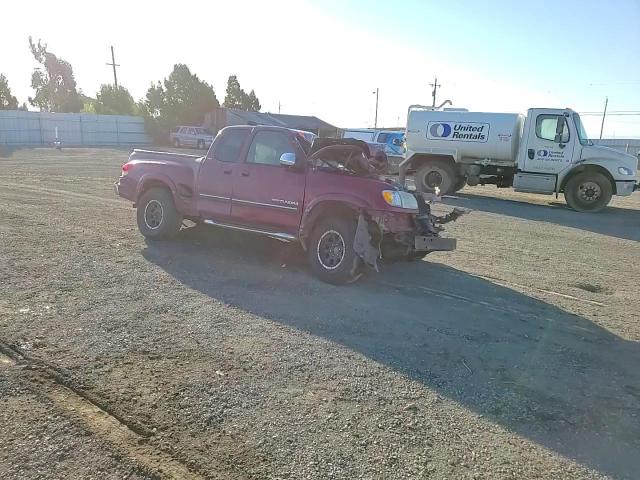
[
  {"x": 157, "y": 214},
  {"x": 330, "y": 251},
  {"x": 436, "y": 174},
  {"x": 588, "y": 192}
]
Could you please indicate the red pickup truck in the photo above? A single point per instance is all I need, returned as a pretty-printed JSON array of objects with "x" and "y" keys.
[{"x": 292, "y": 186}]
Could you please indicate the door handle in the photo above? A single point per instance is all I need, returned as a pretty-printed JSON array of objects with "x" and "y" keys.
[
  {"x": 227, "y": 172},
  {"x": 531, "y": 153},
  {"x": 244, "y": 174}
]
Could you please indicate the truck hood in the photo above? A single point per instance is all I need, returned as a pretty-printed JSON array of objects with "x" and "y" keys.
[{"x": 607, "y": 154}]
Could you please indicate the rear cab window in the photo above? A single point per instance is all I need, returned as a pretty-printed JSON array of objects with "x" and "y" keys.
[{"x": 229, "y": 146}]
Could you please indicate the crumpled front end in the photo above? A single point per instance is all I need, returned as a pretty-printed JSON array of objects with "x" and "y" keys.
[{"x": 394, "y": 236}]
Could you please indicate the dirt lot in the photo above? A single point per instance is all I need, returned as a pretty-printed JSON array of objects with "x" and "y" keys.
[{"x": 218, "y": 355}]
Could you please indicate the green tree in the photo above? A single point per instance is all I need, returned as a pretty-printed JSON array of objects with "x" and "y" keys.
[
  {"x": 53, "y": 82},
  {"x": 181, "y": 99},
  {"x": 237, "y": 98},
  {"x": 234, "y": 95},
  {"x": 7, "y": 101},
  {"x": 253, "y": 103},
  {"x": 114, "y": 101}
]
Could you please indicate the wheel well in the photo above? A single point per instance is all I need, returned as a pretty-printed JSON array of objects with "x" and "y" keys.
[
  {"x": 328, "y": 207},
  {"x": 589, "y": 168},
  {"x": 148, "y": 184},
  {"x": 420, "y": 159}
]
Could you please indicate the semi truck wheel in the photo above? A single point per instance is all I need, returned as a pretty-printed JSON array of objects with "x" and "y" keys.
[
  {"x": 436, "y": 173},
  {"x": 588, "y": 192},
  {"x": 330, "y": 251},
  {"x": 157, "y": 215}
]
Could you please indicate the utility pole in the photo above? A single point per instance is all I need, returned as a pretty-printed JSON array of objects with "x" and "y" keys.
[
  {"x": 278, "y": 106},
  {"x": 435, "y": 86},
  {"x": 604, "y": 114},
  {"x": 375, "y": 123},
  {"x": 114, "y": 65}
]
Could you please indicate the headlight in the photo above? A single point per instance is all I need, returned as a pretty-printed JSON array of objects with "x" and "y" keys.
[
  {"x": 400, "y": 199},
  {"x": 625, "y": 171}
]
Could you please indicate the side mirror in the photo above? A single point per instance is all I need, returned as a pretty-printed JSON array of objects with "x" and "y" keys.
[
  {"x": 288, "y": 159},
  {"x": 397, "y": 142}
]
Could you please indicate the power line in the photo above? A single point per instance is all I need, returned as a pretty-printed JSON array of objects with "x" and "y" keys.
[{"x": 618, "y": 114}]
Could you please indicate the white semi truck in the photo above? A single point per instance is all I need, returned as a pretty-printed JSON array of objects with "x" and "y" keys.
[{"x": 547, "y": 151}]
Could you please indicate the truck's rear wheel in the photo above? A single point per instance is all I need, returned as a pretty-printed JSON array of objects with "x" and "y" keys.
[
  {"x": 157, "y": 215},
  {"x": 330, "y": 251},
  {"x": 588, "y": 192},
  {"x": 436, "y": 173}
]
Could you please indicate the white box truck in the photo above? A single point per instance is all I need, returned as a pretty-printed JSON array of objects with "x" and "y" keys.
[{"x": 547, "y": 151}]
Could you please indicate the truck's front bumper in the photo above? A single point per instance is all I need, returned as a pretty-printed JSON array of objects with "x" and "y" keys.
[
  {"x": 434, "y": 244},
  {"x": 626, "y": 188}
]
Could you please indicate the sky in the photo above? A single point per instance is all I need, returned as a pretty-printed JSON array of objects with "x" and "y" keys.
[{"x": 327, "y": 58}]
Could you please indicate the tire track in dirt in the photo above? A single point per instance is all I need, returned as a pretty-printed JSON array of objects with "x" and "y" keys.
[
  {"x": 127, "y": 438},
  {"x": 66, "y": 193}
]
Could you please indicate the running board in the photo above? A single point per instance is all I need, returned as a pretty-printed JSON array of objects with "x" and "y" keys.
[{"x": 283, "y": 237}]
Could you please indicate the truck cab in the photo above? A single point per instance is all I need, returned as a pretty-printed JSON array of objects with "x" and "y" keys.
[
  {"x": 547, "y": 152},
  {"x": 555, "y": 156}
]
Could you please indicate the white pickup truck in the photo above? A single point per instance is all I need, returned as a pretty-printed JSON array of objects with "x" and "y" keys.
[{"x": 545, "y": 152}]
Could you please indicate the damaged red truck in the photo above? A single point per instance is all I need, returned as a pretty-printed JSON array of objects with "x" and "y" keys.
[{"x": 324, "y": 193}]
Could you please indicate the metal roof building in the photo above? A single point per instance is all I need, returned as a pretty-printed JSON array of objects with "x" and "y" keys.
[{"x": 223, "y": 117}]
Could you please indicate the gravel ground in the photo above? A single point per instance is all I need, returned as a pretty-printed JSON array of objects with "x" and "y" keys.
[{"x": 516, "y": 356}]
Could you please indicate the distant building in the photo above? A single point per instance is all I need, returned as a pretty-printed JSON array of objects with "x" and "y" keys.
[
  {"x": 628, "y": 145},
  {"x": 224, "y": 117}
]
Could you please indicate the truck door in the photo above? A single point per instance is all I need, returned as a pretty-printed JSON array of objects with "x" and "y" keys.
[
  {"x": 547, "y": 153},
  {"x": 215, "y": 178},
  {"x": 267, "y": 194}
]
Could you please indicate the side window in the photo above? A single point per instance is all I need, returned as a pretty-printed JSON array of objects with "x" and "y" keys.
[
  {"x": 268, "y": 147},
  {"x": 383, "y": 138},
  {"x": 192, "y": 131},
  {"x": 228, "y": 147},
  {"x": 546, "y": 126},
  {"x": 182, "y": 130}
]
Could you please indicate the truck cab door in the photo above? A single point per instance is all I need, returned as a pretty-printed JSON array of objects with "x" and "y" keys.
[
  {"x": 547, "y": 151},
  {"x": 267, "y": 194},
  {"x": 216, "y": 175}
]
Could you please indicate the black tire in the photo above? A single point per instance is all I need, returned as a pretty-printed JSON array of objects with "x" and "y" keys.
[
  {"x": 157, "y": 215},
  {"x": 343, "y": 265},
  {"x": 176, "y": 143},
  {"x": 436, "y": 173},
  {"x": 588, "y": 192},
  {"x": 200, "y": 144}
]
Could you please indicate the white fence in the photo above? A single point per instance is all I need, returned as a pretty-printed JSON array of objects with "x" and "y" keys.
[{"x": 18, "y": 128}]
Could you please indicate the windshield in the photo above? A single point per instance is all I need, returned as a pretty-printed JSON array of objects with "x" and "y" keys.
[{"x": 582, "y": 133}]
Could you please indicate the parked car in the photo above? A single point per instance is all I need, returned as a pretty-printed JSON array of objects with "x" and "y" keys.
[
  {"x": 185, "y": 136},
  {"x": 325, "y": 194}
]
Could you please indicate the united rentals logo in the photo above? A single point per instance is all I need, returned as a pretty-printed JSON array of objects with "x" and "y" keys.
[{"x": 458, "y": 131}]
